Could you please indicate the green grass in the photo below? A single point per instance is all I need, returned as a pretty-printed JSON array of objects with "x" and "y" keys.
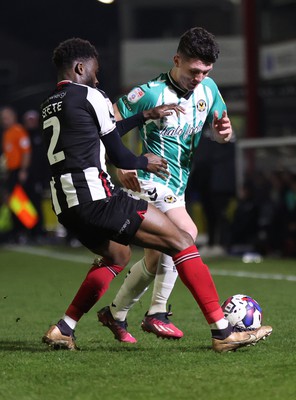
[{"x": 35, "y": 291}]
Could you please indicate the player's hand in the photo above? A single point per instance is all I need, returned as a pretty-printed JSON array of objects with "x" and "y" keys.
[
  {"x": 222, "y": 127},
  {"x": 157, "y": 165},
  {"x": 129, "y": 179},
  {"x": 163, "y": 111}
]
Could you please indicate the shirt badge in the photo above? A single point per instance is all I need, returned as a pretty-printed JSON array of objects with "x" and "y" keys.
[
  {"x": 201, "y": 105},
  {"x": 170, "y": 199}
]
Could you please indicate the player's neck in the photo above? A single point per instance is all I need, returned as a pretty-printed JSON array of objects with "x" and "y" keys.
[{"x": 179, "y": 90}]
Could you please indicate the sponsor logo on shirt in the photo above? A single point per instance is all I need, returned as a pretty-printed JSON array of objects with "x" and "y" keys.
[
  {"x": 59, "y": 95},
  {"x": 184, "y": 131},
  {"x": 135, "y": 95},
  {"x": 201, "y": 105},
  {"x": 152, "y": 194}
]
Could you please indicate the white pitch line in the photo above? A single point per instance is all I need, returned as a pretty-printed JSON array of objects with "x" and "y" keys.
[
  {"x": 50, "y": 254},
  {"x": 84, "y": 259},
  {"x": 255, "y": 275}
]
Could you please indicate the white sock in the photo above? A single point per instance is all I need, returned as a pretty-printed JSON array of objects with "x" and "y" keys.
[
  {"x": 163, "y": 284},
  {"x": 221, "y": 324},
  {"x": 134, "y": 286},
  {"x": 69, "y": 321}
]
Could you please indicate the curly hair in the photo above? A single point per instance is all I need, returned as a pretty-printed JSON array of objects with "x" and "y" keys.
[
  {"x": 199, "y": 43},
  {"x": 73, "y": 50}
]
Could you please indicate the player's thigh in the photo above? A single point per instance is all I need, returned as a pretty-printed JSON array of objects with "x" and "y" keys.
[
  {"x": 114, "y": 253},
  {"x": 158, "y": 232},
  {"x": 182, "y": 219}
]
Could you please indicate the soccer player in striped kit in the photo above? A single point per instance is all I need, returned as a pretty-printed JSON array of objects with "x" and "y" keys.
[{"x": 79, "y": 127}]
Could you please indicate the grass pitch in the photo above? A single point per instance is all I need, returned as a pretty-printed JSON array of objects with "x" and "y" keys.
[{"x": 37, "y": 284}]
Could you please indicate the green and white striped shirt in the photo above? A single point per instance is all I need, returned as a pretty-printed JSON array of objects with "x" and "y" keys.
[{"x": 174, "y": 137}]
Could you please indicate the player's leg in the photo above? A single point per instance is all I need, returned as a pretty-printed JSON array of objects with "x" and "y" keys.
[
  {"x": 156, "y": 319},
  {"x": 134, "y": 285},
  {"x": 142, "y": 274},
  {"x": 166, "y": 271},
  {"x": 114, "y": 257},
  {"x": 196, "y": 276},
  {"x": 158, "y": 231},
  {"x": 105, "y": 228}
]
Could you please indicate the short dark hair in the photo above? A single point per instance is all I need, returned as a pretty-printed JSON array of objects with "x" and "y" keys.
[
  {"x": 72, "y": 50},
  {"x": 199, "y": 43}
]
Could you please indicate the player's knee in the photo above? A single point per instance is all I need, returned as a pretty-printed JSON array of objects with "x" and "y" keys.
[
  {"x": 119, "y": 255},
  {"x": 181, "y": 242},
  {"x": 186, "y": 241},
  {"x": 151, "y": 265},
  {"x": 123, "y": 256},
  {"x": 193, "y": 232}
]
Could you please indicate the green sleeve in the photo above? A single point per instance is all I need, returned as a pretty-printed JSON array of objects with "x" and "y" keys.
[
  {"x": 138, "y": 99},
  {"x": 218, "y": 103}
]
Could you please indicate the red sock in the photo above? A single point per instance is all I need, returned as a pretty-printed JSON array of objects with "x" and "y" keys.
[
  {"x": 92, "y": 289},
  {"x": 196, "y": 276}
]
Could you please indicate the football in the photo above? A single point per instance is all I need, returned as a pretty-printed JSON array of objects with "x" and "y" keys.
[{"x": 242, "y": 311}]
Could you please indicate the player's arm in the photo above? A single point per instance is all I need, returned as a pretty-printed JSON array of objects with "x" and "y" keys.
[
  {"x": 222, "y": 128},
  {"x": 129, "y": 178},
  {"x": 218, "y": 118},
  {"x": 137, "y": 120},
  {"x": 118, "y": 154},
  {"x": 123, "y": 158}
]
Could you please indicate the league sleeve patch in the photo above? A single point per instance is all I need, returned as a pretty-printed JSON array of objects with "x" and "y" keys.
[{"x": 135, "y": 95}]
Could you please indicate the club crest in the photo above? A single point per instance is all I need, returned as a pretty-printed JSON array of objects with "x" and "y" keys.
[
  {"x": 170, "y": 199},
  {"x": 201, "y": 105}
]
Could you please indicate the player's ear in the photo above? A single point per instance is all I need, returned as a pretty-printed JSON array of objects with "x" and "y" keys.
[
  {"x": 78, "y": 68},
  {"x": 177, "y": 60}
]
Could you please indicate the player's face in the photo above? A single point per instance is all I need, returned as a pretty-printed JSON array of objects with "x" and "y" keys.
[
  {"x": 190, "y": 71},
  {"x": 91, "y": 69}
]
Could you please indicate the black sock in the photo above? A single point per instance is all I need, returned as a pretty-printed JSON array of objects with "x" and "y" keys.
[
  {"x": 64, "y": 328},
  {"x": 221, "y": 333}
]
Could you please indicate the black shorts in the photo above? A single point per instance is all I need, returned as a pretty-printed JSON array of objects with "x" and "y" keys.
[{"x": 116, "y": 218}]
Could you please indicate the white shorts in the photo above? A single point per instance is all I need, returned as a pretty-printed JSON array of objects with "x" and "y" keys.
[{"x": 159, "y": 195}]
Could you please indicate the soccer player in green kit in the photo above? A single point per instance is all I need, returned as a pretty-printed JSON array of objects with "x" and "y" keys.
[
  {"x": 175, "y": 138},
  {"x": 77, "y": 118}
]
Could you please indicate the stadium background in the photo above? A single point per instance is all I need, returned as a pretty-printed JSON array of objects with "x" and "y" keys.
[{"x": 136, "y": 40}]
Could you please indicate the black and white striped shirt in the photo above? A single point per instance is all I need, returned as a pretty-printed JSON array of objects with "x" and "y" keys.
[{"x": 75, "y": 117}]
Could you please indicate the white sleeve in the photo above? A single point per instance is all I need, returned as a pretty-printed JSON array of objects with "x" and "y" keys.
[{"x": 104, "y": 113}]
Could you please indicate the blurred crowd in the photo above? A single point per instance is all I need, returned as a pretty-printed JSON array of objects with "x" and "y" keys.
[
  {"x": 23, "y": 164},
  {"x": 259, "y": 217}
]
